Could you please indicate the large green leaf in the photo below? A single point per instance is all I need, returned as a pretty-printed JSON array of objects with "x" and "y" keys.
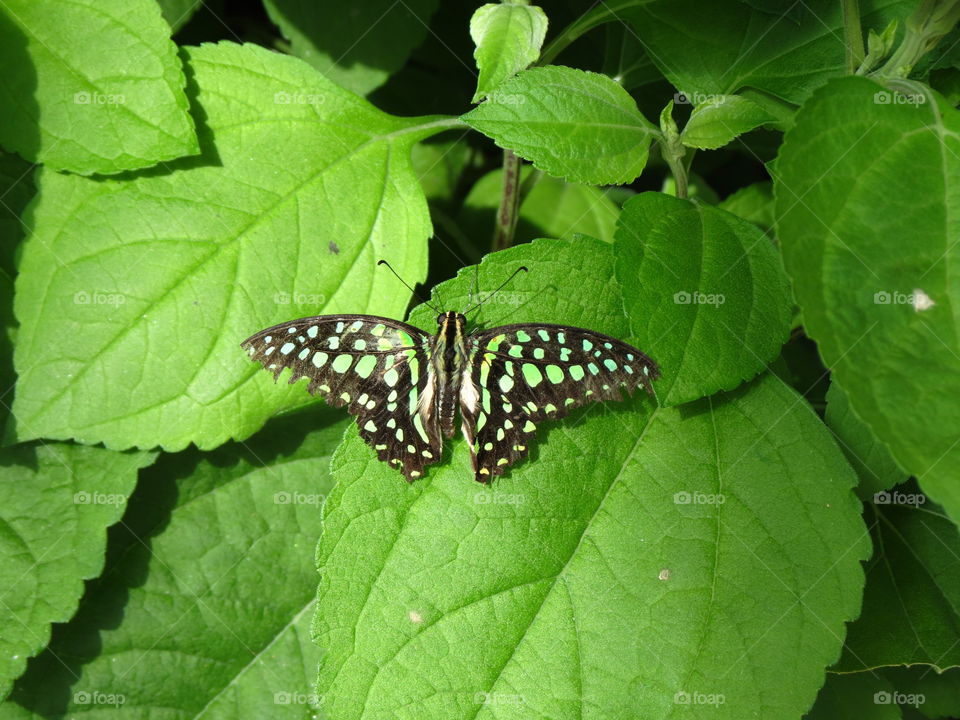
[
  {"x": 205, "y": 605},
  {"x": 709, "y": 49},
  {"x": 357, "y": 46},
  {"x": 911, "y": 605},
  {"x": 572, "y": 124},
  {"x": 859, "y": 695},
  {"x": 934, "y": 695},
  {"x": 92, "y": 86},
  {"x": 642, "y": 563},
  {"x": 754, "y": 203},
  {"x": 155, "y": 280},
  {"x": 178, "y": 12},
  {"x": 871, "y": 459},
  {"x": 58, "y": 501},
  {"x": 705, "y": 289},
  {"x": 872, "y": 252},
  {"x": 508, "y": 37}
]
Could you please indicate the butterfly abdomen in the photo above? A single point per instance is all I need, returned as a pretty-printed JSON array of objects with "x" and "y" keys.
[{"x": 448, "y": 361}]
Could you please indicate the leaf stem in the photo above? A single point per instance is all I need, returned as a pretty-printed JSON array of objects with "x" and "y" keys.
[
  {"x": 509, "y": 202},
  {"x": 926, "y": 25},
  {"x": 852, "y": 35}
]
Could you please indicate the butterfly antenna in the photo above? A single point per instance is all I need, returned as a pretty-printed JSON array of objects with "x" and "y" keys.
[
  {"x": 502, "y": 286},
  {"x": 390, "y": 268}
]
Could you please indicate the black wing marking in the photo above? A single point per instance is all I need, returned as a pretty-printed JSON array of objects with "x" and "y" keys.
[
  {"x": 377, "y": 367},
  {"x": 523, "y": 374}
]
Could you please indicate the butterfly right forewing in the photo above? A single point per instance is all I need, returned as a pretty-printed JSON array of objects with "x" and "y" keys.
[{"x": 527, "y": 373}]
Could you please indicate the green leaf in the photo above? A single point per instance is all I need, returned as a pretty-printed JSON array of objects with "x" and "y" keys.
[
  {"x": 718, "y": 120},
  {"x": 599, "y": 14},
  {"x": 208, "y": 593},
  {"x": 705, "y": 292},
  {"x": 614, "y": 531},
  {"x": 178, "y": 12},
  {"x": 553, "y": 208},
  {"x": 58, "y": 502},
  {"x": 911, "y": 605},
  {"x": 508, "y": 37},
  {"x": 357, "y": 48},
  {"x": 439, "y": 164},
  {"x": 719, "y": 48},
  {"x": 937, "y": 695},
  {"x": 625, "y": 59},
  {"x": 753, "y": 203},
  {"x": 871, "y": 459},
  {"x": 157, "y": 279},
  {"x": 92, "y": 87},
  {"x": 572, "y": 124},
  {"x": 856, "y": 696},
  {"x": 884, "y": 312}
]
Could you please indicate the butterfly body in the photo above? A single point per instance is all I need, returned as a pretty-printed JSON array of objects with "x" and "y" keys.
[
  {"x": 449, "y": 357},
  {"x": 405, "y": 386}
]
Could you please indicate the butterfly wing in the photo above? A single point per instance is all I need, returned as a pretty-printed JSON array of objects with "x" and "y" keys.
[
  {"x": 522, "y": 374},
  {"x": 377, "y": 367}
]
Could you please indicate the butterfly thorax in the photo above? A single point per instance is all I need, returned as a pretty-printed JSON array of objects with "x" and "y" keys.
[{"x": 448, "y": 360}]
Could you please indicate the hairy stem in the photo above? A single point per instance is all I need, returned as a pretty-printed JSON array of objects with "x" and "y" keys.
[
  {"x": 852, "y": 35},
  {"x": 509, "y": 202}
]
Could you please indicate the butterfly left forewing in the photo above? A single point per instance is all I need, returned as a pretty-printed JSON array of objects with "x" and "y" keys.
[
  {"x": 377, "y": 367},
  {"x": 523, "y": 374}
]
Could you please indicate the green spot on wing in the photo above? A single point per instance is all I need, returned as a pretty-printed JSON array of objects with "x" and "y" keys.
[
  {"x": 341, "y": 363},
  {"x": 365, "y": 366}
]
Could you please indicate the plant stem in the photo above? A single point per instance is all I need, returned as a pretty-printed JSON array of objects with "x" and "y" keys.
[
  {"x": 852, "y": 35},
  {"x": 926, "y": 25},
  {"x": 509, "y": 202},
  {"x": 679, "y": 173}
]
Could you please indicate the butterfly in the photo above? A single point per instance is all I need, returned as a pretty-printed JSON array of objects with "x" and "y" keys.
[{"x": 404, "y": 385}]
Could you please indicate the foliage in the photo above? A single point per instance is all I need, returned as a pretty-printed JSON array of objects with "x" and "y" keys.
[{"x": 762, "y": 198}]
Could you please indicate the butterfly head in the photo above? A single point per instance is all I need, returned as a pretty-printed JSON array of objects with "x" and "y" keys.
[{"x": 452, "y": 319}]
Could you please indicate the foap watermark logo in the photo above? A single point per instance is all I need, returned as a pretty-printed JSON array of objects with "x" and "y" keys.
[
  {"x": 98, "y": 98},
  {"x": 296, "y": 498},
  {"x": 84, "y": 497},
  {"x": 501, "y": 98},
  {"x": 693, "y": 697},
  {"x": 698, "y": 498},
  {"x": 299, "y": 298},
  {"x": 917, "y": 299},
  {"x": 96, "y": 697},
  {"x": 696, "y": 297},
  {"x": 498, "y": 698},
  {"x": 296, "y": 698},
  {"x": 83, "y": 297},
  {"x": 495, "y": 497},
  {"x": 297, "y": 98},
  {"x": 899, "y": 498},
  {"x": 695, "y": 98},
  {"x": 513, "y": 299},
  {"x": 887, "y": 97},
  {"x": 898, "y": 698}
]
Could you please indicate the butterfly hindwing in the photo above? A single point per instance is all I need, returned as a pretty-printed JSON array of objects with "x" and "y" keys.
[
  {"x": 377, "y": 367},
  {"x": 523, "y": 374}
]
